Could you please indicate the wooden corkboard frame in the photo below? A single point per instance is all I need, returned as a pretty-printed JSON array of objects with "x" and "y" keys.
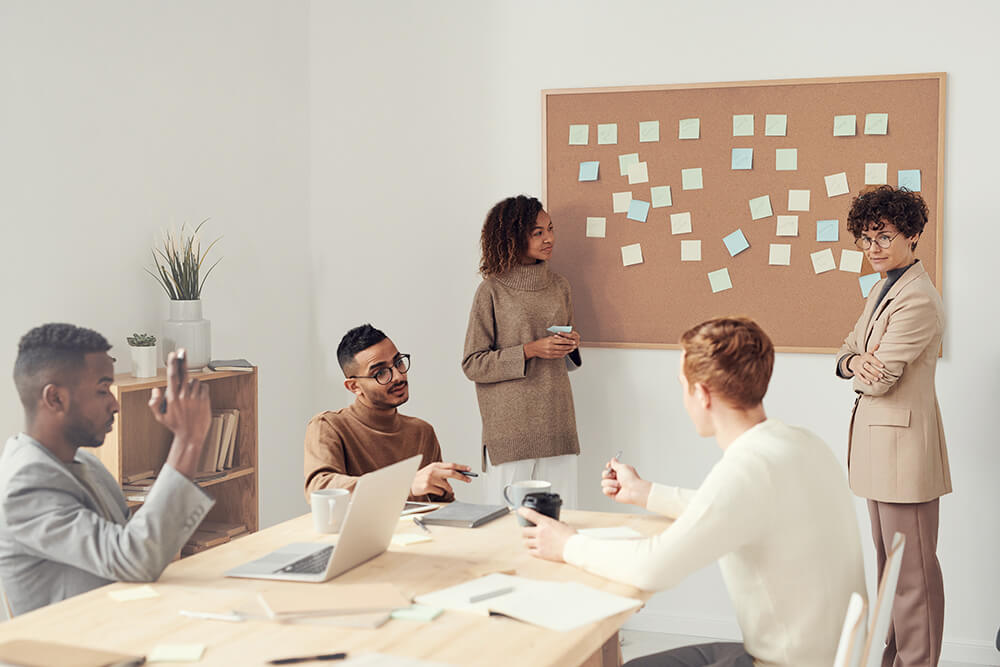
[{"x": 650, "y": 304}]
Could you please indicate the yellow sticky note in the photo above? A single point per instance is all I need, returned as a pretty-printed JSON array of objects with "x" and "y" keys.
[
  {"x": 845, "y": 126},
  {"x": 760, "y": 207},
  {"x": 876, "y": 123},
  {"x": 638, "y": 173},
  {"x": 134, "y": 593},
  {"x": 798, "y": 200},
  {"x": 176, "y": 653},
  {"x": 596, "y": 227},
  {"x": 775, "y": 124},
  {"x": 626, "y": 161},
  {"x": 788, "y": 225},
  {"x": 850, "y": 260},
  {"x": 680, "y": 223},
  {"x": 786, "y": 159},
  {"x": 607, "y": 133},
  {"x": 690, "y": 251},
  {"x": 691, "y": 179},
  {"x": 631, "y": 254},
  {"x": 660, "y": 196},
  {"x": 780, "y": 254},
  {"x": 743, "y": 125},
  {"x": 823, "y": 261},
  {"x": 649, "y": 130},
  {"x": 719, "y": 280},
  {"x": 620, "y": 201},
  {"x": 876, "y": 173},
  {"x": 836, "y": 184},
  {"x": 579, "y": 135},
  {"x": 689, "y": 128}
]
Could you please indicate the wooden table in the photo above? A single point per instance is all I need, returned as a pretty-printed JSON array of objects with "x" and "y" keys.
[{"x": 455, "y": 555}]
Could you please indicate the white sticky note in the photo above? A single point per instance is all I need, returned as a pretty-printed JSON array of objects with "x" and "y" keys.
[
  {"x": 798, "y": 200},
  {"x": 689, "y": 128},
  {"x": 626, "y": 161},
  {"x": 876, "y": 173},
  {"x": 691, "y": 179},
  {"x": 607, "y": 133},
  {"x": 850, "y": 260},
  {"x": 760, "y": 207},
  {"x": 620, "y": 201},
  {"x": 845, "y": 126},
  {"x": 631, "y": 254},
  {"x": 788, "y": 225},
  {"x": 836, "y": 184},
  {"x": 823, "y": 261},
  {"x": 786, "y": 159},
  {"x": 579, "y": 135},
  {"x": 719, "y": 280},
  {"x": 649, "y": 130},
  {"x": 638, "y": 173},
  {"x": 690, "y": 251},
  {"x": 406, "y": 539},
  {"x": 596, "y": 227},
  {"x": 680, "y": 223},
  {"x": 876, "y": 123},
  {"x": 780, "y": 254},
  {"x": 775, "y": 124},
  {"x": 660, "y": 195},
  {"x": 743, "y": 125},
  {"x": 176, "y": 653},
  {"x": 133, "y": 593}
]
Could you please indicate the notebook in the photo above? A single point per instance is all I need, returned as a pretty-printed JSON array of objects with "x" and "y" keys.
[{"x": 464, "y": 515}]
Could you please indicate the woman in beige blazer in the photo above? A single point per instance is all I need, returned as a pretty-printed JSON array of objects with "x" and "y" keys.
[{"x": 896, "y": 447}]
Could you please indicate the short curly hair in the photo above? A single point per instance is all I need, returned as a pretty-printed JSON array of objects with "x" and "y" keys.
[
  {"x": 49, "y": 352},
  {"x": 903, "y": 208},
  {"x": 505, "y": 233},
  {"x": 729, "y": 355}
]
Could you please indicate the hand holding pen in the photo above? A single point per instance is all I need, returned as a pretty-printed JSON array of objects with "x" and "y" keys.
[{"x": 621, "y": 482}]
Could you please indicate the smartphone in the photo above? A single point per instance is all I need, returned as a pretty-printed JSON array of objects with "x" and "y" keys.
[
  {"x": 559, "y": 329},
  {"x": 179, "y": 371}
]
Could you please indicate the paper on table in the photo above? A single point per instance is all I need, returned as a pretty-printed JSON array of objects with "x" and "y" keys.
[
  {"x": 850, "y": 260},
  {"x": 143, "y": 592},
  {"x": 615, "y": 532},
  {"x": 743, "y": 125},
  {"x": 827, "y": 231},
  {"x": 788, "y": 225},
  {"x": 736, "y": 243},
  {"x": 868, "y": 282},
  {"x": 638, "y": 173},
  {"x": 631, "y": 254},
  {"x": 786, "y": 159},
  {"x": 909, "y": 179},
  {"x": 680, "y": 223},
  {"x": 836, "y": 184},
  {"x": 876, "y": 173},
  {"x": 386, "y": 660},
  {"x": 649, "y": 130},
  {"x": 845, "y": 126},
  {"x": 690, "y": 251},
  {"x": 691, "y": 179},
  {"x": 596, "y": 227},
  {"x": 417, "y": 612},
  {"x": 780, "y": 254},
  {"x": 457, "y": 597},
  {"x": 579, "y": 135},
  {"x": 660, "y": 194},
  {"x": 823, "y": 261},
  {"x": 719, "y": 280},
  {"x": 588, "y": 170},
  {"x": 689, "y": 128},
  {"x": 876, "y": 123},
  {"x": 798, "y": 200},
  {"x": 760, "y": 207},
  {"x": 625, "y": 161},
  {"x": 638, "y": 210},
  {"x": 406, "y": 539},
  {"x": 742, "y": 158},
  {"x": 176, "y": 653},
  {"x": 607, "y": 133},
  {"x": 561, "y": 606},
  {"x": 775, "y": 124},
  {"x": 620, "y": 201}
]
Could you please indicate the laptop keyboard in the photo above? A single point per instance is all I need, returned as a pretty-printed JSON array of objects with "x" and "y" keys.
[{"x": 314, "y": 563}]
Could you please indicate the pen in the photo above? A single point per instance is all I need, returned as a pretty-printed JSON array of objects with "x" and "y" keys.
[
  {"x": 420, "y": 522},
  {"x": 616, "y": 457},
  {"x": 467, "y": 473},
  {"x": 491, "y": 594},
  {"x": 234, "y": 616},
  {"x": 307, "y": 658}
]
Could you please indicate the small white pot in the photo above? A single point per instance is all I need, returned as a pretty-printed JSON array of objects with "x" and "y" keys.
[{"x": 143, "y": 361}]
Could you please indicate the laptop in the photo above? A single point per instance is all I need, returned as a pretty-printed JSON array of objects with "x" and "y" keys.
[{"x": 366, "y": 532}]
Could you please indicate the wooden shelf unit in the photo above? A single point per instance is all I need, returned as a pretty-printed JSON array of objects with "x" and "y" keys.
[{"x": 137, "y": 442}]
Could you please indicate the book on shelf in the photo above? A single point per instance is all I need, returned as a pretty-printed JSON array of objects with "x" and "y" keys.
[
  {"x": 137, "y": 476},
  {"x": 210, "y": 452},
  {"x": 230, "y": 529},
  {"x": 207, "y": 538},
  {"x": 135, "y": 497},
  {"x": 230, "y": 418},
  {"x": 230, "y": 365}
]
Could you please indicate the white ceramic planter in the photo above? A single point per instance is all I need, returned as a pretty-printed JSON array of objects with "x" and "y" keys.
[
  {"x": 143, "y": 361},
  {"x": 186, "y": 328}
]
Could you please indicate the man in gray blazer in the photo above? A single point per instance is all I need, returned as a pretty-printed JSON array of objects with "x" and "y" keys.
[{"x": 65, "y": 527}]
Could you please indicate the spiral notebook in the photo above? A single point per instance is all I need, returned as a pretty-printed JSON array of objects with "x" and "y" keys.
[{"x": 464, "y": 515}]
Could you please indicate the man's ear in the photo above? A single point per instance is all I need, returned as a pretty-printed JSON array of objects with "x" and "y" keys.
[
  {"x": 703, "y": 395},
  {"x": 352, "y": 386},
  {"x": 55, "y": 398}
]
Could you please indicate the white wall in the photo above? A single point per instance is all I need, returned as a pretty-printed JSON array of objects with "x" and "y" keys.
[{"x": 425, "y": 114}]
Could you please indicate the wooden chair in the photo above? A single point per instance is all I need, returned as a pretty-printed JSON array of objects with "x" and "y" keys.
[
  {"x": 852, "y": 637},
  {"x": 882, "y": 609}
]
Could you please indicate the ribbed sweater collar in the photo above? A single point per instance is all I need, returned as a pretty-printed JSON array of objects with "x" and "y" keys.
[
  {"x": 383, "y": 421},
  {"x": 529, "y": 277}
]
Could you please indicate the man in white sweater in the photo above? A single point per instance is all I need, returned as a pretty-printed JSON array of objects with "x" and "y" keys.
[{"x": 775, "y": 511}]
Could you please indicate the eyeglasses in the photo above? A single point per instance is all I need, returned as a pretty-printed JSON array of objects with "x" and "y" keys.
[
  {"x": 883, "y": 240},
  {"x": 384, "y": 374}
]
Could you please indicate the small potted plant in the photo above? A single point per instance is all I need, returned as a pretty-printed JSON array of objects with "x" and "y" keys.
[{"x": 143, "y": 347}]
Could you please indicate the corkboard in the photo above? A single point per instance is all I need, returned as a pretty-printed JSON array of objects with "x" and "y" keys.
[{"x": 652, "y": 303}]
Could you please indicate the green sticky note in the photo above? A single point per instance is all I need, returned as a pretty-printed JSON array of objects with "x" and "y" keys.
[
  {"x": 876, "y": 123},
  {"x": 416, "y": 612}
]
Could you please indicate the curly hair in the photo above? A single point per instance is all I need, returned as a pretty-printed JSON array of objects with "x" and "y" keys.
[
  {"x": 730, "y": 355},
  {"x": 900, "y": 207},
  {"x": 355, "y": 340},
  {"x": 505, "y": 233},
  {"x": 49, "y": 352}
]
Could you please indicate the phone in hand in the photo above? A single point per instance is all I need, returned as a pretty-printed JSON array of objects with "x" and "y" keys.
[
  {"x": 559, "y": 329},
  {"x": 179, "y": 372}
]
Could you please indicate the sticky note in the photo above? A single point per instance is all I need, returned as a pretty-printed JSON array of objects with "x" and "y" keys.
[
  {"x": 868, "y": 282},
  {"x": 134, "y": 593},
  {"x": 719, "y": 280},
  {"x": 406, "y": 539},
  {"x": 176, "y": 653},
  {"x": 850, "y": 260},
  {"x": 775, "y": 124},
  {"x": 626, "y": 161},
  {"x": 579, "y": 135},
  {"x": 742, "y": 158},
  {"x": 607, "y": 133},
  {"x": 691, "y": 179},
  {"x": 736, "y": 243},
  {"x": 690, "y": 251},
  {"x": 649, "y": 130},
  {"x": 788, "y": 225},
  {"x": 909, "y": 179},
  {"x": 631, "y": 254},
  {"x": 416, "y": 612},
  {"x": 823, "y": 261},
  {"x": 798, "y": 200},
  {"x": 845, "y": 126},
  {"x": 660, "y": 194},
  {"x": 836, "y": 184},
  {"x": 620, "y": 201},
  {"x": 689, "y": 128},
  {"x": 827, "y": 231},
  {"x": 588, "y": 170},
  {"x": 638, "y": 210},
  {"x": 680, "y": 223},
  {"x": 760, "y": 207},
  {"x": 559, "y": 328},
  {"x": 876, "y": 173},
  {"x": 876, "y": 123},
  {"x": 596, "y": 227},
  {"x": 638, "y": 173},
  {"x": 786, "y": 159},
  {"x": 780, "y": 254},
  {"x": 743, "y": 125}
]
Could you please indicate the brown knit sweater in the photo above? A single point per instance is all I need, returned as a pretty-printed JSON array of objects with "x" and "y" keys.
[
  {"x": 526, "y": 405},
  {"x": 343, "y": 445}
]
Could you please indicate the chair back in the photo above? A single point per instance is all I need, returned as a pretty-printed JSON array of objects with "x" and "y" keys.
[
  {"x": 852, "y": 637},
  {"x": 882, "y": 610}
]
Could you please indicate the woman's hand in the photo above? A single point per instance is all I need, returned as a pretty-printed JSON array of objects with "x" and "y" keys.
[
  {"x": 555, "y": 346},
  {"x": 866, "y": 366},
  {"x": 621, "y": 482},
  {"x": 547, "y": 538}
]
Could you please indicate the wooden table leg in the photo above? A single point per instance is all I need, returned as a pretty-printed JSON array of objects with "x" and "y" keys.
[{"x": 609, "y": 655}]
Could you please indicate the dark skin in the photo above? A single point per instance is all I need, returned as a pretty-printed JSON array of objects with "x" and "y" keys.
[{"x": 541, "y": 242}]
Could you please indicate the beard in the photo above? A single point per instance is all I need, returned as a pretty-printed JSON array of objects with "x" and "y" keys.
[{"x": 82, "y": 435}]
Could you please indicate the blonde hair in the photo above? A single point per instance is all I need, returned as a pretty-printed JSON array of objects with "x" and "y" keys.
[{"x": 731, "y": 356}]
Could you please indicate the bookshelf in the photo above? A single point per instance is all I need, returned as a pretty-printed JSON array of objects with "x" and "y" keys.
[{"x": 138, "y": 443}]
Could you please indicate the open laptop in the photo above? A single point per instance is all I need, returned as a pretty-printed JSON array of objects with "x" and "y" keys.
[{"x": 366, "y": 532}]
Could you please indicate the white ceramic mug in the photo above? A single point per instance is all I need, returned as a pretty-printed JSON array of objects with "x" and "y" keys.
[
  {"x": 515, "y": 492},
  {"x": 328, "y": 509}
]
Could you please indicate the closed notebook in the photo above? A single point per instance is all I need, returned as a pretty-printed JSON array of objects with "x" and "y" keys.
[
  {"x": 332, "y": 600},
  {"x": 464, "y": 515},
  {"x": 30, "y": 653}
]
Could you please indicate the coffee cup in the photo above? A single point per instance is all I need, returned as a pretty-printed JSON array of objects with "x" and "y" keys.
[
  {"x": 548, "y": 504},
  {"x": 515, "y": 492},
  {"x": 328, "y": 509}
]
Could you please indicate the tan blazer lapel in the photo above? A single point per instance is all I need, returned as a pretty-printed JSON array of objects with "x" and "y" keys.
[{"x": 914, "y": 272}]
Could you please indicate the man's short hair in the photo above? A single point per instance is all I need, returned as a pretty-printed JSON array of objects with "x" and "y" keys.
[
  {"x": 355, "y": 340},
  {"x": 872, "y": 209},
  {"x": 49, "y": 352},
  {"x": 731, "y": 356}
]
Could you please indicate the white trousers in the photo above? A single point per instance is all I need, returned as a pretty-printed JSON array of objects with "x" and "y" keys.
[{"x": 561, "y": 471}]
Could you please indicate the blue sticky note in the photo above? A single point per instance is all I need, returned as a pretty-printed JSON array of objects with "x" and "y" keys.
[
  {"x": 910, "y": 179},
  {"x": 558, "y": 328},
  {"x": 736, "y": 242},
  {"x": 638, "y": 210},
  {"x": 828, "y": 230},
  {"x": 868, "y": 282},
  {"x": 742, "y": 158},
  {"x": 588, "y": 170}
]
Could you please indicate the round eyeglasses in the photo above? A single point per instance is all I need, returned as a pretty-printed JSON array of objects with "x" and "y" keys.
[
  {"x": 883, "y": 241},
  {"x": 384, "y": 374}
]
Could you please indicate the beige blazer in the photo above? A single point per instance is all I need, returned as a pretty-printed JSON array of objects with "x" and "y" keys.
[{"x": 896, "y": 449}]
